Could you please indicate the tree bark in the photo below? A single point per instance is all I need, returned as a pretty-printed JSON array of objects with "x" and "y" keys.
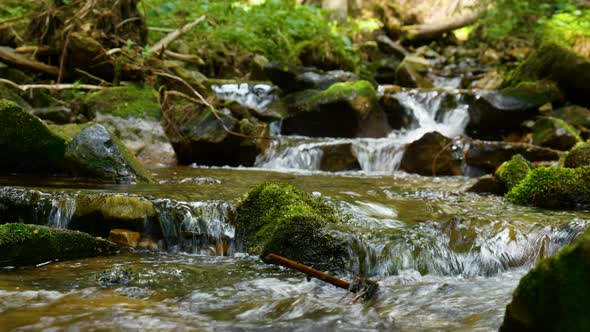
[{"x": 437, "y": 29}]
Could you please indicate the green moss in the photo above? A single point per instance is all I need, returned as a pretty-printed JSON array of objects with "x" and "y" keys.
[
  {"x": 125, "y": 101},
  {"x": 278, "y": 218},
  {"x": 548, "y": 297},
  {"x": 27, "y": 143},
  {"x": 22, "y": 244},
  {"x": 361, "y": 96},
  {"x": 553, "y": 188},
  {"x": 120, "y": 207},
  {"x": 69, "y": 130},
  {"x": 511, "y": 172},
  {"x": 578, "y": 156}
]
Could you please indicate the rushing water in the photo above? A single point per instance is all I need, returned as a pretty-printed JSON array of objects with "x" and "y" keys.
[{"x": 444, "y": 259}]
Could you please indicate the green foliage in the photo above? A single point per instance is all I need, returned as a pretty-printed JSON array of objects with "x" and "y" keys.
[
  {"x": 566, "y": 26},
  {"x": 277, "y": 29}
]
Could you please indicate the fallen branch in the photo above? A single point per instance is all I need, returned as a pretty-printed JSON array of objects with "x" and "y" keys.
[
  {"x": 162, "y": 45},
  {"x": 26, "y": 87},
  {"x": 184, "y": 57},
  {"x": 436, "y": 29},
  {"x": 36, "y": 50},
  {"x": 364, "y": 288},
  {"x": 26, "y": 63}
]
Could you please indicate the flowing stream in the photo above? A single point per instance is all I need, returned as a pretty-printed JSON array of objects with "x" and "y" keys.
[{"x": 445, "y": 259}]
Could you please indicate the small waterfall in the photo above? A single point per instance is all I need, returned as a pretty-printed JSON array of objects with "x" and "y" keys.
[
  {"x": 196, "y": 227},
  {"x": 442, "y": 111},
  {"x": 256, "y": 96},
  {"x": 62, "y": 210}
]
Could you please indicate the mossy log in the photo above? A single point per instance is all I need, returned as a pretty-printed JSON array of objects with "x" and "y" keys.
[{"x": 22, "y": 244}]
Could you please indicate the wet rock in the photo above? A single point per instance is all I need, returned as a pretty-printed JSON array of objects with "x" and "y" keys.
[
  {"x": 495, "y": 115},
  {"x": 511, "y": 172},
  {"x": 578, "y": 156},
  {"x": 198, "y": 137},
  {"x": 94, "y": 153},
  {"x": 125, "y": 101},
  {"x": 410, "y": 73},
  {"x": 489, "y": 155},
  {"x": 553, "y": 62},
  {"x": 338, "y": 157},
  {"x": 575, "y": 115},
  {"x": 548, "y": 296},
  {"x": 27, "y": 144},
  {"x": 57, "y": 115},
  {"x": 278, "y": 218},
  {"x": 124, "y": 237},
  {"x": 117, "y": 276},
  {"x": 22, "y": 244},
  {"x": 344, "y": 110},
  {"x": 290, "y": 78},
  {"x": 492, "y": 80},
  {"x": 554, "y": 133},
  {"x": 553, "y": 187},
  {"x": 487, "y": 184},
  {"x": 433, "y": 154},
  {"x": 398, "y": 117}
]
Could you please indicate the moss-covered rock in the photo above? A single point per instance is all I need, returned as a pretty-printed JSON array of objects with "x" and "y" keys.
[
  {"x": 22, "y": 244},
  {"x": 550, "y": 296},
  {"x": 95, "y": 154},
  {"x": 125, "y": 101},
  {"x": 553, "y": 187},
  {"x": 27, "y": 144},
  {"x": 278, "y": 218},
  {"x": 554, "y": 133},
  {"x": 349, "y": 109},
  {"x": 561, "y": 65},
  {"x": 511, "y": 172},
  {"x": 578, "y": 156}
]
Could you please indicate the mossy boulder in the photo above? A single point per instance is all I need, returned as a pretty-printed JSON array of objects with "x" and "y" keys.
[
  {"x": 349, "y": 109},
  {"x": 554, "y": 133},
  {"x": 553, "y": 187},
  {"x": 578, "y": 156},
  {"x": 550, "y": 296},
  {"x": 97, "y": 155},
  {"x": 496, "y": 114},
  {"x": 22, "y": 244},
  {"x": 554, "y": 62},
  {"x": 511, "y": 172},
  {"x": 281, "y": 219},
  {"x": 125, "y": 101},
  {"x": 433, "y": 154},
  {"x": 27, "y": 144}
]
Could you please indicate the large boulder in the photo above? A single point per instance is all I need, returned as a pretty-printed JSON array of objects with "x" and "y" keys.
[
  {"x": 97, "y": 155},
  {"x": 578, "y": 156},
  {"x": 553, "y": 187},
  {"x": 200, "y": 135},
  {"x": 511, "y": 172},
  {"x": 278, "y": 218},
  {"x": 27, "y": 144},
  {"x": 554, "y": 133},
  {"x": 291, "y": 78},
  {"x": 489, "y": 155},
  {"x": 554, "y": 62},
  {"x": 496, "y": 114},
  {"x": 550, "y": 296},
  {"x": 348, "y": 109},
  {"x": 433, "y": 154},
  {"x": 22, "y": 244}
]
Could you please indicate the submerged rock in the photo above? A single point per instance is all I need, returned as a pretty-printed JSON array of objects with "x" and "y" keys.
[
  {"x": 496, "y": 114},
  {"x": 278, "y": 218},
  {"x": 22, "y": 244},
  {"x": 94, "y": 153},
  {"x": 489, "y": 155},
  {"x": 348, "y": 109},
  {"x": 433, "y": 154},
  {"x": 548, "y": 298},
  {"x": 554, "y": 133},
  {"x": 553, "y": 187},
  {"x": 511, "y": 172},
  {"x": 27, "y": 144}
]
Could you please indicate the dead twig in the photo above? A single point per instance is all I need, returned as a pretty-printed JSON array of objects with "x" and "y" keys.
[
  {"x": 26, "y": 87},
  {"x": 160, "y": 46}
]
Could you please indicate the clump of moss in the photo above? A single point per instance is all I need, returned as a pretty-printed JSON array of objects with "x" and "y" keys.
[
  {"x": 281, "y": 219},
  {"x": 511, "y": 172},
  {"x": 553, "y": 187},
  {"x": 360, "y": 95},
  {"x": 22, "y": 244},
  {"x": 125, "y": 101},
  {"x": 578, "y": 156},
  {"x": 548, "y": 297},
  {"x": 27, "y": 144}
]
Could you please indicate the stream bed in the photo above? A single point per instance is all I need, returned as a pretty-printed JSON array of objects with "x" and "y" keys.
[{"x": 445, "y": 260}]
